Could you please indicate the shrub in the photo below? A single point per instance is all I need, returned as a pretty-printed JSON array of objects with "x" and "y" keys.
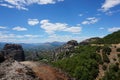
[
  {"x": 118, "y": 55},
  {"x": 104, "y": 67},
  {"x": 105, "y": 58},
  {"x": 114, "y": 59},
  {"x": 98, "y": 48},
  {"x": 118, "y": 49},
  {"x": 114, "y": 68},
  {"x": 107, "y": 50}
]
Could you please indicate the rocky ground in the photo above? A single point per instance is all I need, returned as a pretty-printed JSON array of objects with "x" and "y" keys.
[
  {"x": 13, "y": 70},
  {"x": 27, "y": 70}
]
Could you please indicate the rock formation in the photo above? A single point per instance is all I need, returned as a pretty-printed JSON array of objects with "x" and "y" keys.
[
  {"x": 69, "y": 46},
  {"x": 13, "y": 51}
]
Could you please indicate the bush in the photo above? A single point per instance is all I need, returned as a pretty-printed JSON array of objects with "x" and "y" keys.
[
  {"x": 107, "y": 50},
  {"x": 98, "y": 48},
  {"x": 105, "y": 58},
  {"x": 118, "y": 55},
  {"x": 118, "y": 49},
  {"x": 114, "y": 68},
  {"x": 114, "y": 59},
  {"x": 104, "y": 67}
]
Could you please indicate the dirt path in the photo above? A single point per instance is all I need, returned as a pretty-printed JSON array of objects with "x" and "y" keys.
[{"x": 45, "y": 72}]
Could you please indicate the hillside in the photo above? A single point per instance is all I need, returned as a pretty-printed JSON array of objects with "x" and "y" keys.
[
  {"x": 92, "y": 62},
  {"x": 113, "y": 38}
]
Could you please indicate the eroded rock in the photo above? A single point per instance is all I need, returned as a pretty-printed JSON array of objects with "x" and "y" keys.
[{"x": 13, "y": 51}]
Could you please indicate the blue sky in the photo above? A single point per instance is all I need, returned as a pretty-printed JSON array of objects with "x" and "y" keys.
[{"x": 37, "y": 21}]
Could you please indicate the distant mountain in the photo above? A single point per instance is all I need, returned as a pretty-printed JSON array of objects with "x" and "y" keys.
[
  {"x": 47, "y": 45},
  {"x": 55, "y": 43},
  {"x": 2, "y": 45}
]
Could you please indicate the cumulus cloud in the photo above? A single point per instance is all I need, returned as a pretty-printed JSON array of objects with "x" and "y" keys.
[
  {"x": 114, "y": 29},
  {"x": 22, "y": 4},
  {"x": 33, "y": 22},
  {"x": 73, "y": 29},
  {"x": 90, "y": 20},
  {"x": 108, "y": 4},
  {"x": 50, "y": 28},
  {"x": 3, "y": 27},
  {"x": 18, "y": 28}
]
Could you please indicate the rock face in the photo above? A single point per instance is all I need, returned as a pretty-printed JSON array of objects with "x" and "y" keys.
[
  {"x": 69, "y": 46},
  {"x": 13, "y": 51},
  {"x": 72, "y": 42}
]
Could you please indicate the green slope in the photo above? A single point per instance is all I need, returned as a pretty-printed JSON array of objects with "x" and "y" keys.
[{"x": 113, "y": 38}]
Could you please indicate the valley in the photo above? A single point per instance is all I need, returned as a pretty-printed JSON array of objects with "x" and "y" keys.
[{"x": 86, "y": 60}]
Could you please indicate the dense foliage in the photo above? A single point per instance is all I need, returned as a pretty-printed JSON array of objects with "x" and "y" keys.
[
  {"x": 113, "y": 73},
  {"x": 105, "y": 58},
  {"x": 113, "y": 38},
  {"x": 118, "y": 49},
  {"x": 83, "y": 65},
  {"x": 106, "y": 50}
]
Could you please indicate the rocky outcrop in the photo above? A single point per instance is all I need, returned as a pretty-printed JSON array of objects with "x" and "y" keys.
[
  {"x": 73, "y": 43},
  {"x": 13, "y": 51},
  {"x": 65, "y": 49},
  {"x": 13, "y": 70}
]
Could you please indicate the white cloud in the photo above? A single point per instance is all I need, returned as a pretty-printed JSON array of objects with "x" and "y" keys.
[
  {"x": 114, "y": 29},
  {"x": 112, "y": 12},
  {"x": 26, "y": 38},
  {"x": 108, "y": 4},
  {"x": 31, "y": 36},
  {"x": 80, "y": 15},
  {"x": 90, "y": 20},
  {"x": 7, "y": 5},
  {"x": 22, "y": 4},
  {"x": 33, "y": 22},
  {"x": 18, "y": 28},
  {"x": 3, "y": 27},
  {"x": 50, "y": 28},
  {"x": 101, "y": 28},
  {"x": 73, "y": 29}
]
